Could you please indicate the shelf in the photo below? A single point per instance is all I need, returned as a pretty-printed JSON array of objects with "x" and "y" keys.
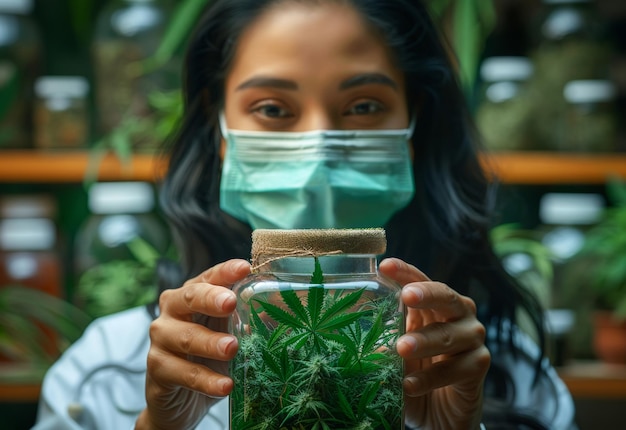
[
  {"x": 539, "y": 168},
  {"x": 63, "y": 167},
  {"x": 20, "y": 383},
  {"x": 524, "y": 168},
  {"x": 592, "y": 379}
]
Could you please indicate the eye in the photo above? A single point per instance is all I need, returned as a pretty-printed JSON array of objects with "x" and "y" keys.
[
  {"x": 368, "y": 107},
  {"x": 271, "y": 110}
]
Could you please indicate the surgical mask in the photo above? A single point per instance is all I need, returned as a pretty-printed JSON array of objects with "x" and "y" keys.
[{"x": 316, "y": 179}]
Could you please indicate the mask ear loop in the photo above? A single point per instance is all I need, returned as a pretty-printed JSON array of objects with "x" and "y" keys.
[
  {"x": 223, "y": 127},
  {"x": 412, "y": 125}
]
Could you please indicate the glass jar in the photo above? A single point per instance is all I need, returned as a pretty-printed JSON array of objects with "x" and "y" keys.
[
  {"x": 128, "y": 32},
  {"x": 317, "y": 327},
  {"x": 29, "y": 254},
  {"x": 565, "y": 218},
  {"x": 504, "y": 112},
  {"x": 119, "y": 213},
  {"x": 61, "y": 117},
  {"x": 590, "y": 122},
  {"x": 117, "y": 248},
  {"x": 20, "y": 51},
  {"x": 573, "y": 45}
]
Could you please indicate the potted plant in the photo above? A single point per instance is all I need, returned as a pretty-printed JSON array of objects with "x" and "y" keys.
[
  {"x": 600, "y": 268},
  {"x": 35, "y": 328}
]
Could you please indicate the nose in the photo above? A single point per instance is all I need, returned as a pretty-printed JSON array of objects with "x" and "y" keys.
[{"x": 318, "y": 119}]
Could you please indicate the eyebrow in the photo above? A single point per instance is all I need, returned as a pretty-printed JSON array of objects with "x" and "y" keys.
[
  {"x": 368, "y": 78},
  {"x": 267, "y": 82}
]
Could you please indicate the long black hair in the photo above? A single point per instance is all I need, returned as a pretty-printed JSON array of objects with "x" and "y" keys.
[{"x": 444, "y": 230}]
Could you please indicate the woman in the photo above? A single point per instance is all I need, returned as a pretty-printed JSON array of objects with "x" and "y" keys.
[{"x": 261, "y": 70}]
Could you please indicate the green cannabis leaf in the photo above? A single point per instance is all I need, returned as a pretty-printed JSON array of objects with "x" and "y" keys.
[{"x": 319, "y": 359}]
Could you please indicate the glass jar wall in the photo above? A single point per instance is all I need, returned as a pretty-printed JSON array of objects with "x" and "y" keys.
[{"x": 317, "y": 327}]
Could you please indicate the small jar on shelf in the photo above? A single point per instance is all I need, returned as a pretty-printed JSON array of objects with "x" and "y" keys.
[
  {"x": 590, "y": 121},
  {"x": 61, "y": 115},
  {"x": 20, "y": 58},
  {"x": 30, "y": 258},
  {"x": 504, "y": 111},
  {"x": 117, "y": 246},
  {"x": 127, "y": 35}
]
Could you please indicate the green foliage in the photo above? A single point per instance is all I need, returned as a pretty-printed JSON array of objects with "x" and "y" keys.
[
  {"x": 324, "y": 360},
  {"x": 120, "y": 284},
  {"x": 510, "y": 240},
  {"x": 471, "y": 23},
  {"x": 35, "y": 327},
  {"x": 601, "y": 263}
]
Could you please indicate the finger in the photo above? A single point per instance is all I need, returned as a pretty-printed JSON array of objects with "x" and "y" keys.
[
  {"x": 403, "y": 273},
  {"x": 198, "y": 298},
  {"x": 438, "y": 297},
  {"x": 464, "y": 371},
  {"x": 224, "y": 274},
  {"x": 206, "y": 293},
  {"x": 184, "y": 339},
  {"x": 450, "y": 338},
  {"x": 167, "y": 371}
]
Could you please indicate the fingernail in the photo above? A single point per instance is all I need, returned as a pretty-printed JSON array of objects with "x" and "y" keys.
[
  {"x": 225, "y": 298},
  {"x": 225, "y": 343},
  {"x": 411, "y": 386},
  {"x": 409, "y": 343}
]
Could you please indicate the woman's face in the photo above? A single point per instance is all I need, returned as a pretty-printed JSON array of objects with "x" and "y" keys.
[{"x": 305, "y": 67}]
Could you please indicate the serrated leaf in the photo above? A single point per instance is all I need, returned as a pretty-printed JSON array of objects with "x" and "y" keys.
[
  {"x": 342, "y": 305},
  {"x": 282, "y": 316},
  {"x": 341, "y": 321},
  {"x": 315, "y": 299},
  {"x": 293, "y": 302}
]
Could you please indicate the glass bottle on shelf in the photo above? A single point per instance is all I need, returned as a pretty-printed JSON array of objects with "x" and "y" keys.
[
  {"x": 61, "y": 116},
  {"x": 29, "y": 253},
  {"x": 504, "y": 111},
  {"x": 119, "y": 213},
  {"x": 116, "y": 247},
  {"x": 590, "y": 121},
  {"x": 20, "y": 51},
  {"x": 127, "y": 33},
  {"x": 28, "y": 239},
  {"x": 316, "y": 320},
  {"x": 572, "y": 44},
  {"x": 565, "y": 218}
]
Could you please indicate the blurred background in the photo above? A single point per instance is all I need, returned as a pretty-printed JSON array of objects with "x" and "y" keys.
[{"x": 89, "y": 90}]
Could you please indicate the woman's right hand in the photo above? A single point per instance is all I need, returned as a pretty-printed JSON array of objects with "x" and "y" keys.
[{"x": 190, "y": 349}]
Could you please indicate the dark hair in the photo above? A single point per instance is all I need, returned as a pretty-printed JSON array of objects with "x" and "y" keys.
[{"x": 444, "y": 230}]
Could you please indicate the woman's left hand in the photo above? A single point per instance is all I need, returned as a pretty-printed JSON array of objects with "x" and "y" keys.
[{"x": 446, "y": 359}]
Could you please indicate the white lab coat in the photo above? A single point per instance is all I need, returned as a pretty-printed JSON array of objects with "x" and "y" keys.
[{"x": 98, "y": 383}]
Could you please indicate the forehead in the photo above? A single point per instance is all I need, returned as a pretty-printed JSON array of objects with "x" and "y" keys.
[{"x": 291, "y": 37}]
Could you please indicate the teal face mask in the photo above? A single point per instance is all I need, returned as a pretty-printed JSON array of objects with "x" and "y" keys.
[{"x": 316, "y": 179}]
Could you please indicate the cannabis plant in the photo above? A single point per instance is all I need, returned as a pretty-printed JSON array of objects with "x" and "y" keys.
[{"x": 323, "y": 359}]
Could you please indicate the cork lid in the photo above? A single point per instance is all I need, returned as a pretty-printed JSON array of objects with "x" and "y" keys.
[{"x": 316, "y": 242}]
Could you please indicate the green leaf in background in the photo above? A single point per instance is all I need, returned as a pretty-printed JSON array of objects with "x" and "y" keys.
[
  {"x": 9, "y": 87},
  {"x": 81, "y": 15},
  {"x": 178, "y": 30},
  {"x": 24, "y": 312},
  {"x": 143, "y": 252},
  {"x": 616, "y": 190},
  {"x": 471, "y": 23}
]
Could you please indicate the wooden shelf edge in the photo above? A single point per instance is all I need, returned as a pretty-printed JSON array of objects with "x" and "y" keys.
[
  {"x": 594, "y": 379},
  {"x": 522, "y": 168},
  {"x": 542, "y": 168},
  {"x": 62, "y": 167},
  {"x": 19, "y": 393}
]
